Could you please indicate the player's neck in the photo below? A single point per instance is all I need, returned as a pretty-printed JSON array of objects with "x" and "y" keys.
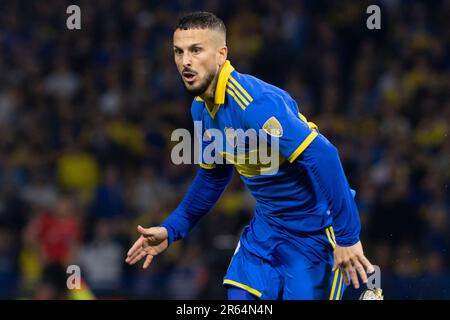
[
  {"x": 209, "y": 95},
  {"x": 209, "y": 99}
]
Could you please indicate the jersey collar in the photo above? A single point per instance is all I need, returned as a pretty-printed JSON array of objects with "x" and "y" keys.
[{"x": 219, "y": 96}]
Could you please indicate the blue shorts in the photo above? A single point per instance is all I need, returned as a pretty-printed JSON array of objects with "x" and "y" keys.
[{"x": 298, "y": 269}]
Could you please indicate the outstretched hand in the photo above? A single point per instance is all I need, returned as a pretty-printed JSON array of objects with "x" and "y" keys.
[
  {"x": 351, "y": 261},
  {"x": 152, "y": 242}
]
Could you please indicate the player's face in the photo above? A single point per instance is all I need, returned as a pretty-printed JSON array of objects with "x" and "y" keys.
[{"x": 197, "y": 58}]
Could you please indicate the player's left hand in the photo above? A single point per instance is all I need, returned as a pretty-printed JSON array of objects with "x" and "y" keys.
[{"x": 351, "y": 260}]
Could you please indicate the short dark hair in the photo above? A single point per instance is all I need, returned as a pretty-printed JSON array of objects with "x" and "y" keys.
[{"x": 201, "y": 20}]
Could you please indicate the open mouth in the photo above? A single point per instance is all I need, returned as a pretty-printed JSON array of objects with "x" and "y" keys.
[{"x": 189, "y": 76}]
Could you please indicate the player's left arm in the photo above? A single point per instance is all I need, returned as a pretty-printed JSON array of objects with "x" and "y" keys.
[
  {"x": 300, "y": 143},
  {"x": 321, "y": 161}
]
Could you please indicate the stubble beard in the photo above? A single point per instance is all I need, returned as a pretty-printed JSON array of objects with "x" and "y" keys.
[{"x": 203, "y": 87}]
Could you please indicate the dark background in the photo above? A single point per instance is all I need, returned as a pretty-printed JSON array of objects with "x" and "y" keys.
[{"x": 86, "y": 117}]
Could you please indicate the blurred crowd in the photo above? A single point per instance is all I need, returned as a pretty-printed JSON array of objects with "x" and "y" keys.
[{"x": 86, "y": 118}]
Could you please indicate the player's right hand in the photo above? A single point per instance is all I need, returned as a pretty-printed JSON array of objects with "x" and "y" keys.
[{"x": 152, "y": 242}]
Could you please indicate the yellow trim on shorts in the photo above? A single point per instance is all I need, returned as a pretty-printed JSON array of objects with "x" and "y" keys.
[
  {"x": 330, "y": 239},
  {"x": 207, "y": 166},
  {"x": 243, "y": 286},
  {"x": 338, "y": 295},
  {"x": 333, "y": 288},
  {"x": 332, "y": 234}
]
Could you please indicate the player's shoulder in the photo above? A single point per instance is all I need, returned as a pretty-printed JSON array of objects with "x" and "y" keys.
[
  {"x": 263, "y": 94},
  {"x": 259, "y": 90}
]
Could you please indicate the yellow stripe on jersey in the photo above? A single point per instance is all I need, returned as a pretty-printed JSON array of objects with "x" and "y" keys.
[
  {"x": 243, "y": 286},
  {"x": 233, "y": 88},
  {"x": 303, "y": 146},
  {"x": 312, "y": 125},
  {"x": 236, "y": 99},
  {"x": 249, "y": 98},
  {"x": 247, "y": 167},
  {"x": 302, "y": 117}
]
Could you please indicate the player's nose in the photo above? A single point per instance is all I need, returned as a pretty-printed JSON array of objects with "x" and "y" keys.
[{"x": 187, "y": 60}]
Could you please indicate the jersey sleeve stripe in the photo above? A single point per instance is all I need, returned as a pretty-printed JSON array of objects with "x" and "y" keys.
[
  {"x": 249, "y": 98},
  {"x": 233, "y": 88},
  {"x": 303, "y": 146},
  {"x": 236, "y": 99}
]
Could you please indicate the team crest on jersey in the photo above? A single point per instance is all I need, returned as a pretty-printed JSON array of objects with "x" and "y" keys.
[
  {"x": 273, "y": 127},
  {"x": 231, "y": 136}
]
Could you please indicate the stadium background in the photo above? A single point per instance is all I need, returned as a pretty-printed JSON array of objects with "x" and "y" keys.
[{"x": 86, "y": 118}]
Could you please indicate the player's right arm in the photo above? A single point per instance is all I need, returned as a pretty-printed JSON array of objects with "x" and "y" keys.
[
  {"x": 205, "y": 190},
  {"x": 208, "y": 184},
  {"x": 203, "y": 193}
]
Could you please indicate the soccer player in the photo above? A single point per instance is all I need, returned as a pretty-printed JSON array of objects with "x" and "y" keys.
[{"x": 303, "y": 241}]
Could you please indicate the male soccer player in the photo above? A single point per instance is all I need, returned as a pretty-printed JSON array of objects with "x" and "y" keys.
[{"x": 303, "y": 240}]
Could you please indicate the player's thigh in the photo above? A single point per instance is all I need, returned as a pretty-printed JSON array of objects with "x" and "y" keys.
[
  {"x": 313, "y": 282},
  {"x": 306, "y": 267},
  {"x": 234, "y": 293},
  {"x": 254, "y": 275},
  {"x": 306, "y": 280}
]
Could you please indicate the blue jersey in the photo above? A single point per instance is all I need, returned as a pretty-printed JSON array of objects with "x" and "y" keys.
[{"x": 284, "y": 201}]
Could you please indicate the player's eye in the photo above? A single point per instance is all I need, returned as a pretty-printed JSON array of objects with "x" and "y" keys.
[
  {"x": 196, "y": 50},
  {"x": 178, "y": 52}
]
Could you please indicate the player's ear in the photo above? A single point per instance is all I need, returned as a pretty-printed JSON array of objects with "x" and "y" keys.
[{"x": 222, "y": 54}]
